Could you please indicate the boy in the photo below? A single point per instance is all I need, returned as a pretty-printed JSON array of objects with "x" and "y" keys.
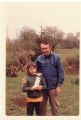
[{"x": 34, "y": 85}]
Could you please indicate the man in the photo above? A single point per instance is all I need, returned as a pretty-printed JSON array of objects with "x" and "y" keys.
[{"x": 50, "y": 66}]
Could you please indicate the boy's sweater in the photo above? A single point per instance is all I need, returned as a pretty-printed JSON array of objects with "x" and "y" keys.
[{"x": 30, "y": 81}]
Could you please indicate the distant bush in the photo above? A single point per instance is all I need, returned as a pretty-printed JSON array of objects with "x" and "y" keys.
[
  {"x": 75, "y": 81},
  {"x": 16, "y": 61},
  {"x": 11, "y": 58},
  {"x": 72, "y": 64},
  {"x": 11, "y": 64},
  {"x": 73, "y": 60}
]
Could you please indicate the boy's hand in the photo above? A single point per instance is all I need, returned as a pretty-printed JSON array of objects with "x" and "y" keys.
[
  {"x": 33, "y": 88},
  {"x": 39, "y": 87},
  {"x": 36, "y": 88}
]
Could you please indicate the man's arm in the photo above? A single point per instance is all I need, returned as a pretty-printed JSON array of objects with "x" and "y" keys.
[
  {"x": 60, "y": 77},
  {"x": 60, "y": 70},
  {"x": 38, "y": 65}
]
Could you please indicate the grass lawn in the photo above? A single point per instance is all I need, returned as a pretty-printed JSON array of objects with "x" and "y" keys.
[{"x": 69, "y": 99}]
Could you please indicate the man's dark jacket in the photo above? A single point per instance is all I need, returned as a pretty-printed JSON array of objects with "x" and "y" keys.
[{"x": 52, "y": 69}]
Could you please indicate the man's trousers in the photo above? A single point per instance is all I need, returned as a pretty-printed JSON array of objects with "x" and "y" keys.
[{"x": 53, "y": 102}]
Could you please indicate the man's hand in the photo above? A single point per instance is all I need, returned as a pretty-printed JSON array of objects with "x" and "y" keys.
[{"x": 58, "y": 90}]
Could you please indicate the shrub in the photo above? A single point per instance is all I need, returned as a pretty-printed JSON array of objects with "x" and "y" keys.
[
  {"x": 73, "y": 60},
  {"x": 72, "y": 64},
  {"x": 75, "y": 81}
]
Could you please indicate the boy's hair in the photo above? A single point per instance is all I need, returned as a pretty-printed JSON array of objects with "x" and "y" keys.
[{"x": 31, "y": 64}]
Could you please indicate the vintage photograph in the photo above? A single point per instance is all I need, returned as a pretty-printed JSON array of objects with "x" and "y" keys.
[{"x": 42, "y": 58}]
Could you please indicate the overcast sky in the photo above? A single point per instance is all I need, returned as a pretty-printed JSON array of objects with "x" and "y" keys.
[{"x": 66, "y": 16}]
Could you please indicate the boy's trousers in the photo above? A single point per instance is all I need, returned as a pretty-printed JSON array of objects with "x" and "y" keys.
[
  {"x": 34, "y": 105},
  {"x": 53, "y": 102}
]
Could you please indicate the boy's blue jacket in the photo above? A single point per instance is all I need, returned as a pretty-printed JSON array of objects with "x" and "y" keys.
[{"x": 52, "y": 69}]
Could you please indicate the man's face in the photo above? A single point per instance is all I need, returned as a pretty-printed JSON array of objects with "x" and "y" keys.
[
  {"x": 32, "y": 70},
  {"x": 46, "y": 49}
]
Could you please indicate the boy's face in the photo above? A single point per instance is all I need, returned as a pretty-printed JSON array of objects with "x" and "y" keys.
[{"x": 32, "y": 70}]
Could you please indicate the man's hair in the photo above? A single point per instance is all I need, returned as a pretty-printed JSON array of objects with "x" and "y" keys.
[{"x": 46, "y": 41}]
